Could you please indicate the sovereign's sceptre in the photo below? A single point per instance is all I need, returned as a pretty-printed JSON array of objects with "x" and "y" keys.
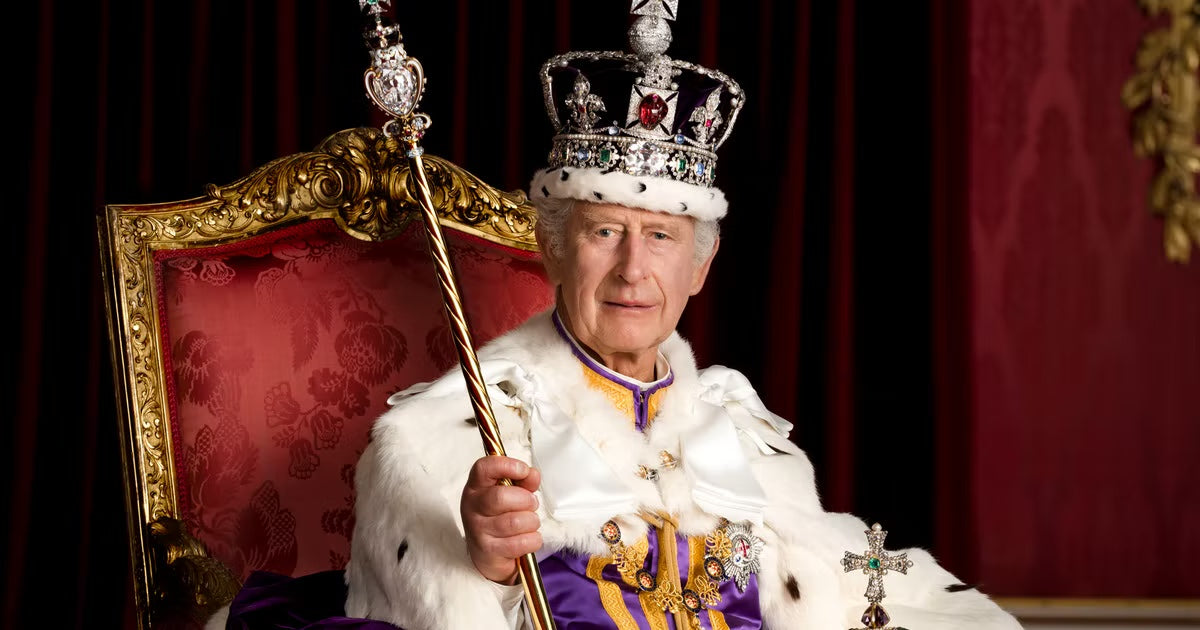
[{"x": 395, "y": 83}]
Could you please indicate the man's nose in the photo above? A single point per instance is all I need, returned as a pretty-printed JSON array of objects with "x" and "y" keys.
[{"x": 632, "y": 266}]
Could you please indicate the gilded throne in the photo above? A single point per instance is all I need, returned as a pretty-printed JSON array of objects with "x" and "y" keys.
[{"x": 256, "y": 333}]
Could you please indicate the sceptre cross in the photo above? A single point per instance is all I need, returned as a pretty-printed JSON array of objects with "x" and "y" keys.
[{"x": 875, "y": 562}]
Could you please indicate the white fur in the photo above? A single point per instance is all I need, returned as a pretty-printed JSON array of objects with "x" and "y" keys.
[
  {"x": 219, "y": 619},
  {"x": 648, "y": 193},
  {"x": 411, "y": 476}
]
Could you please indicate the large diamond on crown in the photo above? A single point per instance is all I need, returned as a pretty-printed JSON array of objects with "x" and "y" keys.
[{"x": 645, "y": 158}]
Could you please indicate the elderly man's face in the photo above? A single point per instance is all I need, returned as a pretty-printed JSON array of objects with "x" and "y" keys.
[{"x": 625, "y": 277}]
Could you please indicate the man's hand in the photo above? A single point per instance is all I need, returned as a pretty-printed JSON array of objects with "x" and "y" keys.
[{"x": 500, "y": 521}]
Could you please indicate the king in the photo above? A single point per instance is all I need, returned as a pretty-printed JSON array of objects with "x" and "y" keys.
[{"x": 653, "y": 493}]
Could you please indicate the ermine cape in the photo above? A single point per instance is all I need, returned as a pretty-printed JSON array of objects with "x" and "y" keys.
[{"x": 409, "y": 563}]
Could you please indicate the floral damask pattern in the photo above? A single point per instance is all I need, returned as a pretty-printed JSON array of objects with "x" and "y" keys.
[
  {"x": 284, "y": 351},
  {"x": 368, "y": 351},
  {"x": 303, "y": 431},
  {"x": 340, "y": 520},
  {"x": 207, "y": 370},
  {"x": 331, "y": 387},
  {"x": 220, "y": 462},
  {"x": 439, "y": 343},
  {"x": 264, "y": 533},
  {"x": 214, "y": 272}
]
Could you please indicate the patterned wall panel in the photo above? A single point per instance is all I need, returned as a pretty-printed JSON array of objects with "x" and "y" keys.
[{"x": 1086, "y": 340}]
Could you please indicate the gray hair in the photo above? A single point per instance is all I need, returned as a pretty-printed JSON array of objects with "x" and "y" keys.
[{"x": 553, "y": 214}]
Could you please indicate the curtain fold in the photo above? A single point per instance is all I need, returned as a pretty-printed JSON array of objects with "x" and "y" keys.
[
  {"x": 951, "y": 286},
  {"x": 28, "y": 365}
]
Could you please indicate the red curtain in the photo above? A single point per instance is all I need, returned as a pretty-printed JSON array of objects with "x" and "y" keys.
[{"x": 937, "y": 260}]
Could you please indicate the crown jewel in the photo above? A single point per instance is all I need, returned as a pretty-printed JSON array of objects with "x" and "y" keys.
[
  {"x": 395, "y": 81},
  {"x": 676, "y": 113}
]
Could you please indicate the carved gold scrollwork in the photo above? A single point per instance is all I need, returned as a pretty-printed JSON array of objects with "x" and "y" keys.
[
  {"x": 1166, "y": 99},
  {"x": 476, "y": 204},
  {"x": 363, "y": 175},
  {"x": 360, "y": 179},
  {"x": 190, "y": 583}
]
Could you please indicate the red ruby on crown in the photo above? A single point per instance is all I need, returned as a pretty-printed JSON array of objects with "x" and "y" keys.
[{"x": 652, "y": 110}]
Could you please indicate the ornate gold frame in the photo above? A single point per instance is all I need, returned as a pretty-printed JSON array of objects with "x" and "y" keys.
[
  {"x": 1165, "y": 97},
  {"x": 360, "y": 179}
]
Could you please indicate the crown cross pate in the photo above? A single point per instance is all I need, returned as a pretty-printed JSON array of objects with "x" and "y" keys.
[
  {"x": 875, "y": 562},
  {"x": 658, "y": 8}
]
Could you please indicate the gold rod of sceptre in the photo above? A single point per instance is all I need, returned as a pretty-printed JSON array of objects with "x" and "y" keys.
[
  {"x": 391, "y": 69},
  {"x": 531, "y": 577}
]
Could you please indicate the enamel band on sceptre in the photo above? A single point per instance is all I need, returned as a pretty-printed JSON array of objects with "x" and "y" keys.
[{"x": 395, "y": 82}]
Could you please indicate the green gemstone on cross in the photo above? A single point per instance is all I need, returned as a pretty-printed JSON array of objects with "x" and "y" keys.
[
  {"x": 605, "y": 155},
  {"x": 875, "y": 563},
  {"x": 682, "y": 165}
]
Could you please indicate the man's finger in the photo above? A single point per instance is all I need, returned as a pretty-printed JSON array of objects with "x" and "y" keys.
[
  {"x": 513, "y": 547},
  {"x": 488, "y": 471},
  {"x": 496, "y": 500},
  {"x": 509, "y": 524},
  {"x": 532, "y": 481}
]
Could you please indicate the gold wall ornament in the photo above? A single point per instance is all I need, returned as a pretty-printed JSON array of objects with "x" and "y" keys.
[
  {"x": 360, "y": 179},
  {"x": 1165, "y": 97}
]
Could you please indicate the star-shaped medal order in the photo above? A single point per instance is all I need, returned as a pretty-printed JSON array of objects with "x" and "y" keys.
[
  {"x": 875, "y": 562},
  {"x": 745, "y": 549}
]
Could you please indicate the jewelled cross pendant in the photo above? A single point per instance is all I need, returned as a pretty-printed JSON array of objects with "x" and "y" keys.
[{"x": 875, "y": 562}]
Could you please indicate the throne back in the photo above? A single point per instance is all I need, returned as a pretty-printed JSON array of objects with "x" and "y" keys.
[{"x": 256, "y": 334}]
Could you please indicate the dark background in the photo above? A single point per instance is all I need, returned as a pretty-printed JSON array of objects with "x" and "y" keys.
[{"x": 823, "y": 294}]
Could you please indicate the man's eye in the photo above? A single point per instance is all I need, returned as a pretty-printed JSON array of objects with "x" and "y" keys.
[
  {"x": 605, "y": 232},
  {"x": 660, "y": 236}
]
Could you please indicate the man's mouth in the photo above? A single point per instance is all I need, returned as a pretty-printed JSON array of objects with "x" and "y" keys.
[{"x": 629, "y": 304}]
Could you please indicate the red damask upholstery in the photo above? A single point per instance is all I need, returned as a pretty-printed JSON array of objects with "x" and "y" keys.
[{"x": 283, "y": 349}]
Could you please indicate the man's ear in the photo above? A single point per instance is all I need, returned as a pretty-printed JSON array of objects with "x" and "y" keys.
[
  {"x": 701, "y": 272},
  {"x": 550, "y": 258}
]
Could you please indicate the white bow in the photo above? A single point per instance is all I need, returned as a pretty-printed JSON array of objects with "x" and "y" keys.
[
  {"x": 722, "y": 482},
  {"x": 559, "y": 451},
  {"x": 723, "y": 385}
]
